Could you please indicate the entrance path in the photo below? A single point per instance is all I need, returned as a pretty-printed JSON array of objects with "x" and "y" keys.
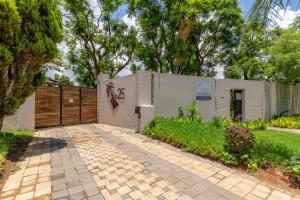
[
  {"x": 297, "y": 131},
  {"x": 106, "y": 162}
]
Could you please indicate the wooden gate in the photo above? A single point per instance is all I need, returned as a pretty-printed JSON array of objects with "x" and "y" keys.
[{"x": 57, "y": 105}]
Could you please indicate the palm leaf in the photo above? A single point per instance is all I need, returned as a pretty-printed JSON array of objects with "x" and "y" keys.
[{"x": 266, "y": 12}]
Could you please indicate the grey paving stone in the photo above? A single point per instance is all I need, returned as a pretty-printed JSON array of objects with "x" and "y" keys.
[{"x": 60, "y": 194}]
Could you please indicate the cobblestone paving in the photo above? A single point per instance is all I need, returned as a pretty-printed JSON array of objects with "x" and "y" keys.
[{"x": 105, "y": 162}]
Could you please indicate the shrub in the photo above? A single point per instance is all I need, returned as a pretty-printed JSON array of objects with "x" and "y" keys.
[
  {"x": 230, "y": 159},
  {"x": 239, "y": 140},
  {"x": 259, "y": 124},
  {"x": 292, "y": 122},
  {"x": 293, "y": 169},
  {"x": 193, "y": 111}
]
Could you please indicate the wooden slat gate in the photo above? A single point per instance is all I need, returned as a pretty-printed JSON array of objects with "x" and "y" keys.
[{"x": 58, "y": 105}]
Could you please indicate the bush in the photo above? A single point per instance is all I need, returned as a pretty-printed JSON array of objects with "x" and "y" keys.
[
  {"x": 259, "y": 124},
  {"x": 293, "y": 169},
  {"x": 292, "y": 122},
  {"x": 239, "y": 140},
  {"x": 230, "y": 159}
]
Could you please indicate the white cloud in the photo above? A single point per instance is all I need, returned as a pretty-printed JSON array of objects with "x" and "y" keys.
[{"x": 287, "y": 17}]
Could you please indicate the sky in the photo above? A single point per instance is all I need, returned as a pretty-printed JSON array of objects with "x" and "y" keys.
[{"x": 287, "y": 18}]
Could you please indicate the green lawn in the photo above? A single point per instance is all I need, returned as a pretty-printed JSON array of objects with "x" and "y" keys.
[
  {"x": 9, "y": 137},
  {"x": 204, "y": 139}
]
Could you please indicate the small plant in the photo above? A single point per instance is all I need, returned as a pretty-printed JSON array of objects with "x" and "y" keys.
[
  {"x": 230, "y": 159},
  {"x": 193, "y": 111},
  {"x": 220, "y": 122},
  {"x": 250, "y": 163},
  {"x": 259, "y": 124},
  {"x": 180, "y": 112},
  {"x": 239, "y": 140},
  {"x": 293, "y": 169},
  {"x": 292, "y": 122}
]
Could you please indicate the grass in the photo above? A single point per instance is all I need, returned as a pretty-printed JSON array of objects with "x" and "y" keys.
[
  {"x": 10, "y": 137},
  {"x": 277, "y": 144},
  {"x": 206, "y": 140}
]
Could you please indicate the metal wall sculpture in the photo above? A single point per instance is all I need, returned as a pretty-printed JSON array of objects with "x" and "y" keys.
[{"x": 110, "y": 90}]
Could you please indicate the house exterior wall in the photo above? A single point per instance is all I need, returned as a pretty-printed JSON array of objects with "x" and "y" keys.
[{"x": 24, "y": 118}]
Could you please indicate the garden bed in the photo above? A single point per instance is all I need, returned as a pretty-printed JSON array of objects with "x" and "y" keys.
[
  {"x": 272, "y": 148},
  {"x": 12, "y": 145},
  {"x": 291, "y": 122}
]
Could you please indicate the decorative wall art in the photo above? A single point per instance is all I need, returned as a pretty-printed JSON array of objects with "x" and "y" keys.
[{"x": 110, "y": 90}]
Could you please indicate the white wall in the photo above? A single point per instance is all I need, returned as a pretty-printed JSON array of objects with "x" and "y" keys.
[
  {"x": 124, "y": 114},
  {"x": 172, "y": 91},
  {"x": 253, "y": 101},
  {"x": 281, "y": 98},
  {"x": 168, "y": 91},
  {"x": 24, "y": 119}
]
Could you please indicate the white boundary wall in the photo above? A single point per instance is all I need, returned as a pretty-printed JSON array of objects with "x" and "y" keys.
[
  {"x": 162, "y": 94},
  {"x": 24, "y": 119},
  {"x": 137, "y": 89}
]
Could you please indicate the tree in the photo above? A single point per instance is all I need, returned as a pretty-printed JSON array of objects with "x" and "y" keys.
[
  {"x": 63, "y": 80},
  {"x": 285, "y": 56},
  {"x": 186, "y": 37},
  {"x": 250, "y": 63},
  {"x": 98, "y": 41},
  {"x": 29, "y": 31}
]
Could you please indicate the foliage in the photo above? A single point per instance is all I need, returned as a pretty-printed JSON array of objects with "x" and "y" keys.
[
  {"x": 259, "y": 124},
  {"x": 220, "y": 122},
  {"x": 272, "y": 148},
  {"x": 267, "y": 11},
  {"x": 29, "y": 31},
  {"x": 292, "y": 122},
  {"x": 267, "y": 54},
  {"x": 230, "y": 159},
  {"x": 8, "y": 138},
  {"x": 186, "y": 37},
  {"x": 239, "y": 140},
  {"x": 180, "y": 112},
  {"x": 98, "y": 41},
  {"x": 64, "y": 80},
  {"x": 293, "y": 169},
  {"x": 193, "y": 111},
  {"x": 249, "y": 63},
  {"x": 200, "y": 138},
  {"x": 285, "y": 56}
]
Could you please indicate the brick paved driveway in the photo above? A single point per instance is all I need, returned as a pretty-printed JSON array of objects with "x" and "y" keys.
[{"x": 105, "y": 162}]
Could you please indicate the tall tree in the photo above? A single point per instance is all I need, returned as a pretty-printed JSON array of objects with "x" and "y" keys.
[
  {"x": 186, "y": 37},
  {"x": 250, "y": 63},
  {"x": 285, "y": 55},
  {"x": 29, "y": 31},
  {"x": 99, "y": 42}
]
